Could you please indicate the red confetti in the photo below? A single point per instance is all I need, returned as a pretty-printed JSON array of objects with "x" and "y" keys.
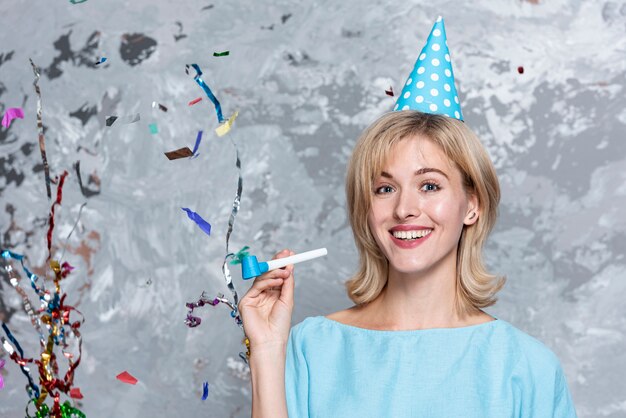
[
  {"x": 390, "y": 91},
  {"x": 75, "y": 393},
  {"x": 126, "y": 378},
  {"x": 194, "y": 101},
  {"x": 520, "y": 69}
]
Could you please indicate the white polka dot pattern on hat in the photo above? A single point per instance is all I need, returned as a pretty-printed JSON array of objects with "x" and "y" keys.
[{"x": 430, "y": 87}]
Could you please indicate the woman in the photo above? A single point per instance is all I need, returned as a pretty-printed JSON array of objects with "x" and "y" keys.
[{"x": 422, "y": 198}]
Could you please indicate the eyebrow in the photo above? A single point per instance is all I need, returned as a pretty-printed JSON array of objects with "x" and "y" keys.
[{"x": 419, "y": 172}]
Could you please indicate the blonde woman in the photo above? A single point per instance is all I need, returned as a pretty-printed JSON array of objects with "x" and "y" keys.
[{"x": 422, "y": 197}]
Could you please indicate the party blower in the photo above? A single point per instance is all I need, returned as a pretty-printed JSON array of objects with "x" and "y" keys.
[{"x": 251, "y": 268}]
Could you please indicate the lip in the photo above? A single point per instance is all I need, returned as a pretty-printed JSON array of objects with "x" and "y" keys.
[
  {"x": 409, "y": 244},
  {"x": 408, "y": 228}
]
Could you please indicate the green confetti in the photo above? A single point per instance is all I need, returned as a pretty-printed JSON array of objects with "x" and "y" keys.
[
  {"x": 153, "y": 128},
  {"x": 221, "y": 54}
]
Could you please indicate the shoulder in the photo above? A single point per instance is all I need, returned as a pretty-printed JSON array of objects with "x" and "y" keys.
[{"x": 534, "y": 358}]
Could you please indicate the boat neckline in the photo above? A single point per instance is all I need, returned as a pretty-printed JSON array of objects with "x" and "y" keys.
[{"x": 413, "y": 331}]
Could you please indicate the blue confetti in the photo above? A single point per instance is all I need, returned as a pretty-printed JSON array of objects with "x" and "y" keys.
[
  {"x": 195, "y": 147},
  {"x": 204, "y": 225},
  {"x": 205, "y": 391}
]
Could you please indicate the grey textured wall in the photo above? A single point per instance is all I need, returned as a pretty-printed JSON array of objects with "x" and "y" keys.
[{"x": 307, "y": 77}]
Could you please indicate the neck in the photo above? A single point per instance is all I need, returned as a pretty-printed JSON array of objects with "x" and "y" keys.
[{"x": 422, "y": 300}]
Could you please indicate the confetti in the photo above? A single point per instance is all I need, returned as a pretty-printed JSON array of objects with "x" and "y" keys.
[
  {"x": 10, "y": 114},
  {"x": 126, "y": 378},
  {"x": 75, "y": 393},
  {"x": 205, "y": 391},
  {"x": 109, "y": 121},
  {"x": 42, "y": 143},
  {"x": 78, "y": 2},
  {"x": 160, "y": 106},
  {"x": 204, "y": 225},
  {"x": 390, "y": 91},
  {"x": 195, "y": 147},
  {"x": 224, "y": 128},
  {"x": 520, "y": 69},
  {"x": 221, "y": 54},
  {"x": 101, "y": 60},
  {"x": 207, "y": 90},
  {"x": 179, "y": 153},
  {"x": 153, "y": 128},
  {"x": 194, "y": 101}
]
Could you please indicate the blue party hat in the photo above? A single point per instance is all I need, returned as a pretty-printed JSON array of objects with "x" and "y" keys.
[{"x": 430, "y": 86}]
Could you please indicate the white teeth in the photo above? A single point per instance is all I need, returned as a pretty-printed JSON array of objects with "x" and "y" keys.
[{"x": 412, "y": 234}]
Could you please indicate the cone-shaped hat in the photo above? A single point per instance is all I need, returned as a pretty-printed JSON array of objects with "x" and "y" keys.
[{"x": 430, "y": 87}]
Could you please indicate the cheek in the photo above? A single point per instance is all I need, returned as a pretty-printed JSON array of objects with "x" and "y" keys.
[{"x": 445, "y": 211}]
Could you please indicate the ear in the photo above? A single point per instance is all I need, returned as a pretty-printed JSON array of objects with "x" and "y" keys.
[{"x": 473, "y": 211}]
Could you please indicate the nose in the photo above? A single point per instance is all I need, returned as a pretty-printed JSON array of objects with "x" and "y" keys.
[{"x": 406, "y": 205}]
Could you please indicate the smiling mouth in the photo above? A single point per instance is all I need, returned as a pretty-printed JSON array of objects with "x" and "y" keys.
[{"x": 411, "y": 235}]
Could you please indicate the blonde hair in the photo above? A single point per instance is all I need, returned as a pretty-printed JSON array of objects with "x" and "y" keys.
[{"x": 475, "y": 286}]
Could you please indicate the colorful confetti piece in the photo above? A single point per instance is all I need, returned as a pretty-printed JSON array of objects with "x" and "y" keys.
[
  {"x": 194, "y": 101},
  {"x": 204, "y": 225},
  {"x": 224, "y": 128},
  {"x": 126, "y": 378},
  {"x": 179, "y": 153},
  {"x": 10, "y": 114},
  {"x": 221, "y": 54},
  {"x": 205, "y": 391}
]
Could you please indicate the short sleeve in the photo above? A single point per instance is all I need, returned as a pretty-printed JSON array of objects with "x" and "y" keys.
[
  {"x": 296, "y": 376},
  {"x": 563, "y": 404}
]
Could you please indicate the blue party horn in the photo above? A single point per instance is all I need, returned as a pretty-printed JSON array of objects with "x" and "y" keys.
[{"x": 251, "y": 268}]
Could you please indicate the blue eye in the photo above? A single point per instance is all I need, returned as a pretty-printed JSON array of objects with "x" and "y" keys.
[
  {"x": 387, "y": 189},
  {"x": 430, "y": 183}
]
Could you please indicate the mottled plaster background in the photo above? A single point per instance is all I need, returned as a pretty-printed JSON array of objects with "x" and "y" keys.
[{"x": 307, "y": 77}]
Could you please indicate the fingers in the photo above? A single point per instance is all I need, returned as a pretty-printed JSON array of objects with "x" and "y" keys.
[{"x": 286, "y": 294}]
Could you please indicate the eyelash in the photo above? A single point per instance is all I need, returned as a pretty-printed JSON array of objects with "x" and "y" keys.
[{"x": 430, "y": 182}]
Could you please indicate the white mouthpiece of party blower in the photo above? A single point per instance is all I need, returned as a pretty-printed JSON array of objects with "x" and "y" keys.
[{"x": 298, "y": 258}]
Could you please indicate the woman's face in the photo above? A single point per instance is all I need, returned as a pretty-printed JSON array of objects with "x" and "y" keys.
[{"x": 409, "y": 194}]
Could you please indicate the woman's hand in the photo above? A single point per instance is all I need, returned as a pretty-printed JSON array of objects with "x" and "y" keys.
[{"x": 267, "y": 306}]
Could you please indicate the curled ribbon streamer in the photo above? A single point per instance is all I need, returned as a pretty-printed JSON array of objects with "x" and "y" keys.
[
  {"x": 51, "y": 219},
  {"x": 21, "y": 361},
  {"x": 209, "y": 93},
  {"x": 73, "y": 228},
  {"x": 56, "y": 315},
  {"x": 193, "y": 321},
  {"x": 42, "y": 142},
  {"x": 14, "y": 279}
]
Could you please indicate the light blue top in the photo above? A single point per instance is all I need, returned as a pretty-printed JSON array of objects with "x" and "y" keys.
[{"x": 486, "y": 370}]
